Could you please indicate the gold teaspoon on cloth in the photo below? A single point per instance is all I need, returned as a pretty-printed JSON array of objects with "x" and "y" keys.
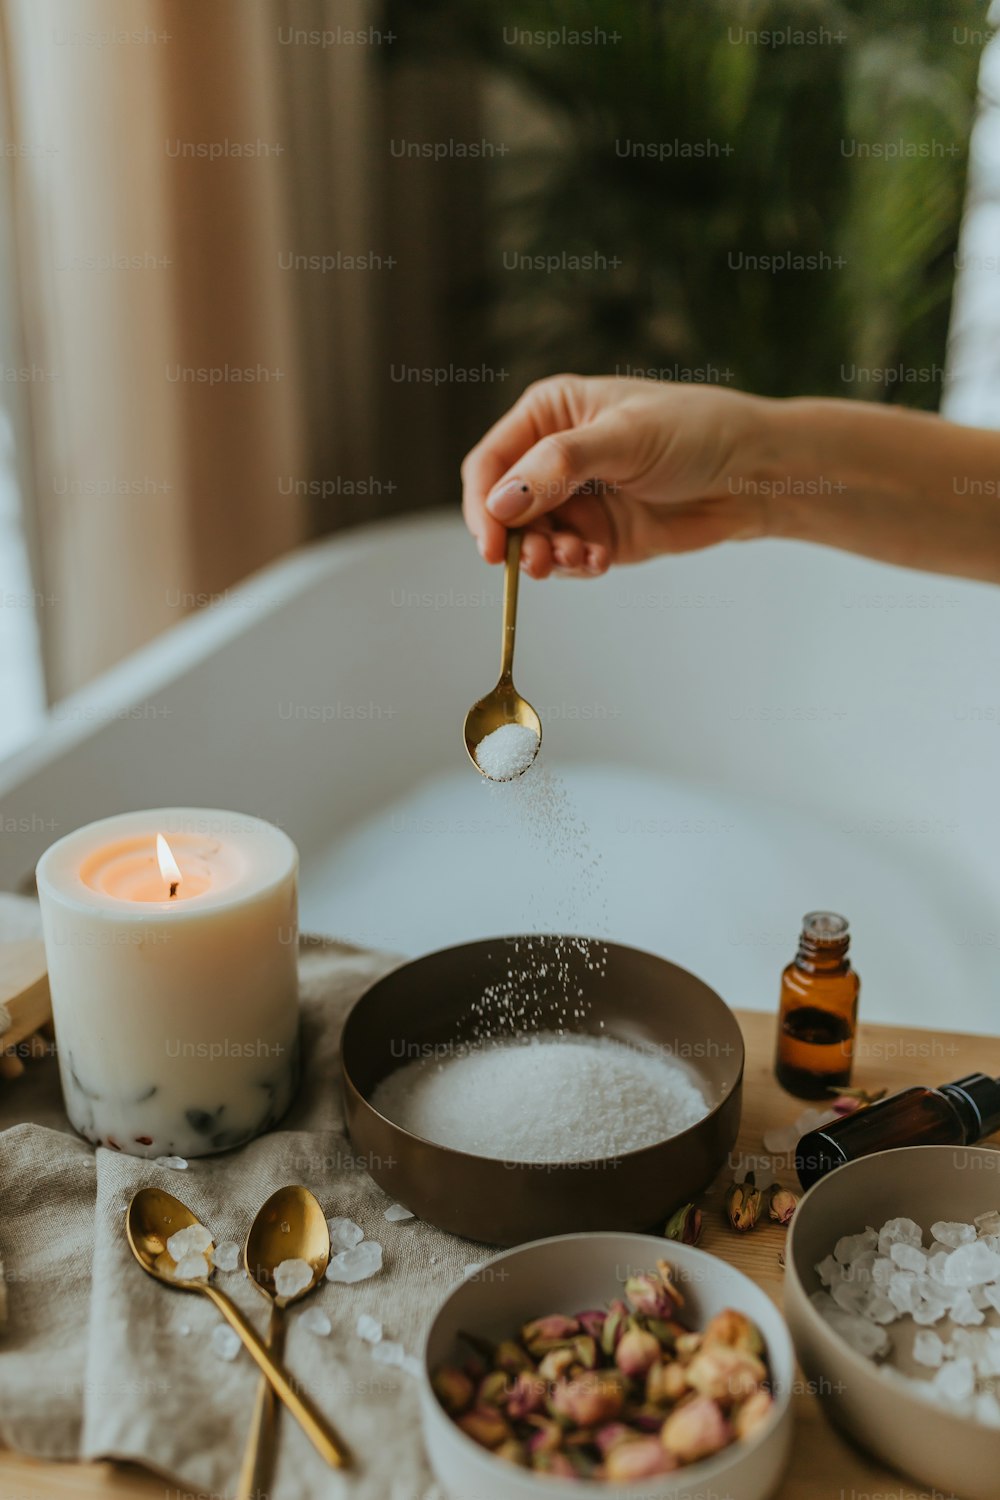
[
  {"x": 153, "y": 1216},
  {"x": 504, "y": 705},
  {"x": 290, "y": 1226}
]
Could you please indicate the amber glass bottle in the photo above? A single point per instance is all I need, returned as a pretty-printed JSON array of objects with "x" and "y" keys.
[{"x": 819, "y": 1010}]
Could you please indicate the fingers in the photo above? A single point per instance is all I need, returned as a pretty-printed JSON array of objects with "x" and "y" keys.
[{"x": 556, "y": 468}]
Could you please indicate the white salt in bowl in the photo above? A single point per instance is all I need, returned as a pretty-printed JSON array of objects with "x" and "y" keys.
[
  {"x": 947, "y": 1453},
  {"x": 566, "y": 1274}
]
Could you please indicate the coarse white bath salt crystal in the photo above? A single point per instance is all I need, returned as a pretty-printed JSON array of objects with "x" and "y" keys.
[
  {"x": 192, "y": 1240},
  {"x": 226, "y": 1255},
  {"x": 898, "y": 1232},
  {"x": 908, "y": 1257},
  {"x": 396, "y": 1213},
  {"x": 988, "y": 1223},
  {"x": 292, "y": 1276},
  {"x": 357, "y": 1264},
  {"x": 928, "y": 1349},
  {"x": 507, "y": 752},
  {"x": 971, "y": 1265},
  {"x": 952, "y": 1235},
  {"x": 225, "y": 1342},
  {"x": 315, "y": 1320},
  {"x": 192, "y": 1267},
  {"x": 176, "y": 1163},
  {"x": 386, "y": 1352},
  {"x": 369, "y": 1329},
  {"x": 344, "y": 1233},
  {"x": 850, "y": 1246},
  {"x": 579, "y": 1098}
]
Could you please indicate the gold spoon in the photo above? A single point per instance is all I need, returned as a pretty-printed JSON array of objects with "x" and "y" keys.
[
  {"x": 153, "y": 1216},
  {"x": 504, "y": 705},
  {"x": 291, "y": 1223}
]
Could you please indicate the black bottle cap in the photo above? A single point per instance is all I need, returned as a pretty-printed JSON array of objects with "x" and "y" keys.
[{"x": 977, "y": 1098}]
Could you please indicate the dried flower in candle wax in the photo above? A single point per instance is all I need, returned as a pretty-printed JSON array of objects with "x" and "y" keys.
[
  {"x": 684, "y": 1225},
  {"x": 744, "y": 1201},
  {"x": 621, "y": 1395},
  {"x": 782, "y": 1203}
]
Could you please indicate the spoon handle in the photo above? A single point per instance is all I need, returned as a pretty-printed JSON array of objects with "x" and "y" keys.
[
  {"x": 511, "y": 576},
  {"x": 258, "y": 1454},
  {"x": 315, "y": 1426}
]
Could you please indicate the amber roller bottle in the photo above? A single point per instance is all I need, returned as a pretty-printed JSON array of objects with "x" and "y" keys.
[{"x": 819, "y": 1010}]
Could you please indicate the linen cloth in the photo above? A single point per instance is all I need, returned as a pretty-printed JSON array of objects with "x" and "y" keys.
[{"x": 97, "y": 1360}]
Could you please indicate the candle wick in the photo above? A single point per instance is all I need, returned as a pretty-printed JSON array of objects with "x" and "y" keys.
[{"x": 173, "y": 888}]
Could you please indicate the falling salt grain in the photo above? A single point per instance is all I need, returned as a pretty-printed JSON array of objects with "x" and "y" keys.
[
  {"x": 507, "y": 752},
  {"x": 369, "y": 1329},
  {"x": 226, "y": 1255},
  {"x": 357, "y": 1264},
  {"x": 315, "y": 1320},
  {"x": 224, "y": 1343},
  {"x": 397, "y": 1213},
  {"x": 344, "y": 1233},
  {"x": 176, "y": 1163},
  {"x": 292, "y": 1276}
]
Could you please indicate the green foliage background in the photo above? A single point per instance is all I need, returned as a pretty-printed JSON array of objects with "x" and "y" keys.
[{"x": 901, "y": 71}]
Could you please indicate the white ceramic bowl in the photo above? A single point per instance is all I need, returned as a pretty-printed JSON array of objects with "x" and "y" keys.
[
  {"x": 946, "y": 1453},
  {"x": 575, "y": 1271}
]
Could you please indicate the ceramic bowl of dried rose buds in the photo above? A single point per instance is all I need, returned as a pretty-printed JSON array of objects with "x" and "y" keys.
[{"x": 619, "y": 1363}]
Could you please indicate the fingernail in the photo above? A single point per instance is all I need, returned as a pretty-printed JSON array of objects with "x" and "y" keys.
[{"x": 509, "y": 500}]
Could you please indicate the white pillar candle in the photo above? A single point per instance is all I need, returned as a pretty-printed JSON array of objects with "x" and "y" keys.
[{"x": 171, "y": 942}]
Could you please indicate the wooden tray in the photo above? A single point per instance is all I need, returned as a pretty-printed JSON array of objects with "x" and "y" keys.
[{"x": 823, "y": 1464}]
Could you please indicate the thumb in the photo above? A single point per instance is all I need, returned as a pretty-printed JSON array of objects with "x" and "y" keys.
[{"x": 556, "y": 467}]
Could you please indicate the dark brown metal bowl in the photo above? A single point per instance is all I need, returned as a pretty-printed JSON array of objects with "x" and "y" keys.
[{"x": 636, "y": 998}]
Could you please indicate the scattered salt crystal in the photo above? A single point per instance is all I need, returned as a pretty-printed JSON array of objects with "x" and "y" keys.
[
  {"x": 908, "y": 1257},
  {"x": 507, "y": 752},
  {"x": 988, "y": 1223},
  {"x": 388, "y": 1353},
  {"x": 192, "y": 1240},
  {"x": 781, "y": 1138},
  {"x": 411, "y": 1365},
  {"x": 315, "y": 1320},
  {"x": 369, "y": 1329},
  {"x": 292, "y": 1276},
  {"x": 593, "y": 1098},
  {"x": 225, "y": 1342},
  {"x": 812, "y": 1119},
  {"x": 396, "y": 1213},
  {"x": 344, "y": 1233},
  {"x": 184, "y": 1329},
  {"x": 434, "y": 1260},
  {"x": 971, "y": 1265},
  {"x": 928, "y": 1349},
  {"x": 177, "y": 1163},
  {"x": 192, "y": 1268},
  {"x": 226, "y": 1255},
  {"x": 952, "y": 1235},
  {"x": 898, "y": 1232},
  {"x": 357, "y": 1264}
]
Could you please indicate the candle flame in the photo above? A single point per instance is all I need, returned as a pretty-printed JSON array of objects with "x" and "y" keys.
[{"x": 169, "y": 868}]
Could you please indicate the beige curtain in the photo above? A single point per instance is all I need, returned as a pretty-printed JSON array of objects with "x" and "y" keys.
[{"x": 167, "y": 158}]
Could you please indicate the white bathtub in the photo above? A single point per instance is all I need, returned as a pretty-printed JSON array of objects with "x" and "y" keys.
[{"x": 748, "y": 733}]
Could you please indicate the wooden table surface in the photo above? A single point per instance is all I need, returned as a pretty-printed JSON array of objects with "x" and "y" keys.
[{"x": 824, "y": 1466}]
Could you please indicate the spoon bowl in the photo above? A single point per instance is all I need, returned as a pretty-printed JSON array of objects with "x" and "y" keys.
[
  {"x": 290, "y": 1226},
  {"x": 504, "y": 705},
  {"x": 153, "y": 1216}
]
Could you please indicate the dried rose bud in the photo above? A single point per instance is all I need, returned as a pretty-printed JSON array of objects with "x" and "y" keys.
[
  {"x": 593, "y": 1397},
  {"x": 752, "y": 1413},
  {"x": 639, "y": 1458},
  {"x": 667, "y": 1331},
  {"x": 607, "y": 1436},
  {"x": 592, "y": 1322},
  {"x": 555, "y": 1364},
  {"x": 644, "y": 1418},
  {"x": 684, "y": 1225},
  {"x": 485, "y": 1426},
  {"x": 735, "y": 1330},
  {"x": 743, "y": 1204},
  {"x": 492, "y": 1389},
  {"x": 636, "y": 1352},
  {"x": 687, "y": 1344},
  {"x": 512, "y": 1452},
  {"x": 527, "y": 1395},
  {"x": 553, "y": 1463},
  {"x": 649, "y": 1294},
  {"x": 782, "y": 1203},
  {"x": 511, "y": 1357},
  {"x": 666, "y": 1384},
  {"x": 726, "y": 1375},
  {"x": 546, "y": 1437},
  {"x": 848, "y": 1100},
  {"x": 667, "y": 1273},
  {"x": 695, "y": 1430},
  {"x": 543, "y": 1334},
  {"x": 584, "y": 1350},
  {"x": 615, "y": 1325},
  {"x": 453, "y": 1388}
]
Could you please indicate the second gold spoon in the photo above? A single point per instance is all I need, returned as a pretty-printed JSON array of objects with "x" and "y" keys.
[{"x": 153, "y": 1216}]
